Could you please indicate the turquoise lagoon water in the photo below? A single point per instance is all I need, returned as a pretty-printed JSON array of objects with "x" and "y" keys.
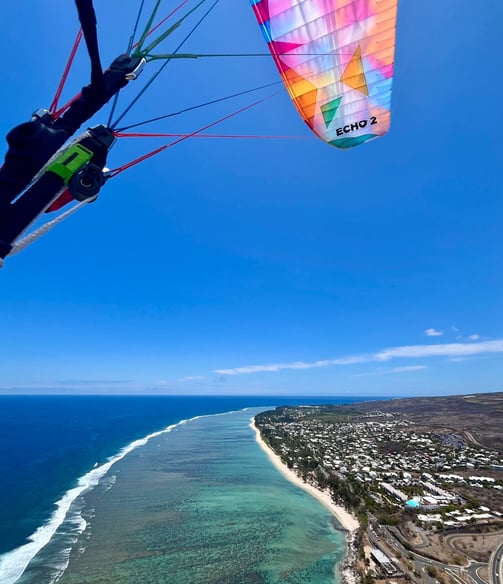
[{"x": 200, "y": 504}]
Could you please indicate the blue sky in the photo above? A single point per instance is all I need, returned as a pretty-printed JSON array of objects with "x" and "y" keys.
[{"x": 269, "y": 266}]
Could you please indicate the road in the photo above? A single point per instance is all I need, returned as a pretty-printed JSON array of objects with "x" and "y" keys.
[
  {"x": 422, "y": 535},
  {"x": 473, "y": 571},
  {"x": 421, "y": 563},
  {"x": 496, "y": 565}
]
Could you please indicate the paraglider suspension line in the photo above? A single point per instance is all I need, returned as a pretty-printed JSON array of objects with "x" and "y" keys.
[
  {"x": 135, "y": 28},
  {"x": 66, "y": 72},
  {"x": 160, "y": 23},
  {"x": 194, "y": 107},
  {"x": 164, "y": 65},
  {"x": 116, "y": 171},
  {"x": 129, "y": 49}
]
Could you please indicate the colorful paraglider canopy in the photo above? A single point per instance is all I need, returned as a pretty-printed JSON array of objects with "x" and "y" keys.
[{"x": 336, "y": 60}]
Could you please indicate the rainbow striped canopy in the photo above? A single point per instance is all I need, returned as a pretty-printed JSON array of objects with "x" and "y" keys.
[{"x": 336, "y": 60}]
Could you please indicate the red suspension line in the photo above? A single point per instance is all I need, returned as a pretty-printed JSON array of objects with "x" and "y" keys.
[
  {"x": 63, "y": 109},
  {"x": 55, "y": 101},
  {"x": 136, "y": 161},
  {"x": 237, "y": 136},
  {"x": 116, "y": 171},
  {"x": 57, "y": 113}
]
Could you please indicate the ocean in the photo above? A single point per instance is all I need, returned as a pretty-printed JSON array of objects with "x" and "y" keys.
[{"x": 81, "y": 488}]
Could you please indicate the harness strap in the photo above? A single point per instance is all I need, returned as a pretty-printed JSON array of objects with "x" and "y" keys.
[
  {"x": 88, "y": 22},
  {"x": 78, "y": 167},
  {"x": 23, "y": 243}
]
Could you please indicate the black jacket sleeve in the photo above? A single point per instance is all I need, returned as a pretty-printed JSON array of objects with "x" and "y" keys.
[{"x": 31, "y": 144}]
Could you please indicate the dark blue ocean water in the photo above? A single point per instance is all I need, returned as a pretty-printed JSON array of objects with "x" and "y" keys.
[{"x": 48, "y": 442}]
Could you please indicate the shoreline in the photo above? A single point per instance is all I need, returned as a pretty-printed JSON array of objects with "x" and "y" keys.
[{"x": 348, "y": 521}]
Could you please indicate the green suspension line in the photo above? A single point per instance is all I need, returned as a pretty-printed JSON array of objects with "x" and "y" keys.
[
  {"x": 145, "y": 52},
  {"x": 147, "y": 29}
]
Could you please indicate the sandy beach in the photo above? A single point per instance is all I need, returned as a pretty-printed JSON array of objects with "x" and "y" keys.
[{"x": 346, "y": 519}]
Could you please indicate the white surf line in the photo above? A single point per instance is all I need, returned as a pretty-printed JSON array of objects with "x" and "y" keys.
[{"x": 14, "y": 563}]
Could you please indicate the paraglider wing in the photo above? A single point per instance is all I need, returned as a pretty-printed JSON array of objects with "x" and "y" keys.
[{"x": 336, "y": 60}]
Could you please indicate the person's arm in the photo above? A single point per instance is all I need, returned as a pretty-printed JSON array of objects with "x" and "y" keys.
[
  {"x": 94, "y": 96},
  {"x": 32, "y": 143}
]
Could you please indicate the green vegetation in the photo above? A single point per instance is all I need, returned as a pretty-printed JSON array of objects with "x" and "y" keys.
[{"x": 372, "y": 461}]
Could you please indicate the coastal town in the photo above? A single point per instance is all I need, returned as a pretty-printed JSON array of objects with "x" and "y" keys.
[{"x": 426, "y": 503}]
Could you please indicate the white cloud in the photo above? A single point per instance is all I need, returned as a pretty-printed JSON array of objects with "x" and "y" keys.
[
  {"x": 70, "y": 386},
  {"x": 449, "y": 350},
  {"x": 192, "y": 378},
  {"x": 431, "y": 332},
  {"x": 474, "y": 337},
  {"x": 271, "y": 367},
  {"x": 295, "y": 365},
  {"x": 405, "y": 369}
]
